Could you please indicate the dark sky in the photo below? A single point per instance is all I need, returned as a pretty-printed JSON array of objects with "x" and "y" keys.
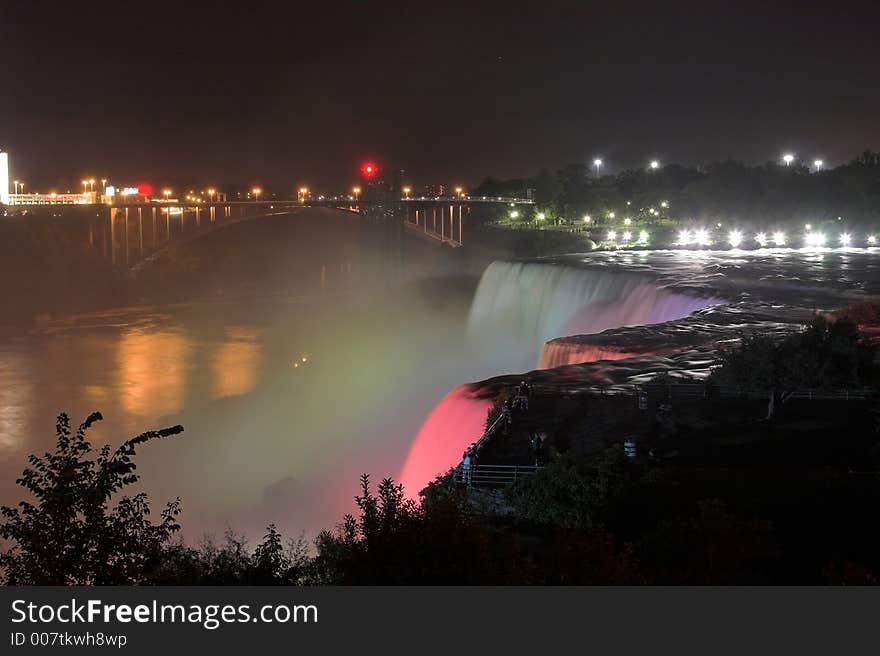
[{"x": 281, "y": 94}]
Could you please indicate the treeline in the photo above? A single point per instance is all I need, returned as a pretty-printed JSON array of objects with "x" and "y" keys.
[{"x": 771, "y": 194}]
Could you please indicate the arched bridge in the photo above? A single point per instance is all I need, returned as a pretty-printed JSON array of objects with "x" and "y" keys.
[{"x": 126, "y": 234}]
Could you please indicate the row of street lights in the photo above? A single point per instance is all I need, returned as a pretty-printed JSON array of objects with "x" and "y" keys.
[
  {"x": 89, "y": 185},
  {"x": 597, "y": 164},
  {"x": 654, "y": 164},
  {"x": 788, "y": 159}
]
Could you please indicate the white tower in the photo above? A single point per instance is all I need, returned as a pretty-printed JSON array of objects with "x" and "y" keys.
[{"x": 4, "y": 178}]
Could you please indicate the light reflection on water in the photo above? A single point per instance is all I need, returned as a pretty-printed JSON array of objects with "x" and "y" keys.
[
  {"x": 265, "y": 440},
  {"x": 151, "y": 371},
  {"x": 287, "y": 393},
  {"x": 236, "y": 361}
]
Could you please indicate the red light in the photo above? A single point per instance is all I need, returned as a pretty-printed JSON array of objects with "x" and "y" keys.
[
  {"x": 369, "y": 169},
  {"x": 145, "y": 189}
]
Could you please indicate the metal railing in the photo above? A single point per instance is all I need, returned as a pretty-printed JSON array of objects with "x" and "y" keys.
[
  {"x": 703, "y": 391},
  {"x": 493, "y": 475}
]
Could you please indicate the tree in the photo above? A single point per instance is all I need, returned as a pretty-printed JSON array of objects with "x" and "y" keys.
[
  {"x": 825, "y": 355},
  {"x": 73, "y": 534},
  {"x": 272, "y": 562},
  {"x": 574, "y": 494}
]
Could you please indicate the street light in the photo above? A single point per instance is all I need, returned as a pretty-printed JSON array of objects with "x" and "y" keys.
[
  {"x": 302, "y": 194},
  {"x": 104, "y": 186},
  {"x": 15, "y": 182},
  {"x": 818, "y": 164},
  {"x": 166, "y": 193},
  {"x": 406, "y": 192},
  {"x": 654, "y": 164},
  {"x": 85, "y": 184},
  {"x": 211, "y": 193},
  {"x": 356, "y": 191},
  {"x": 459, "y": 192},
  {"x": 92, "y": 184},
  {"x": 598, "y": 164},
  {"x": 788, "y": 158},
  {"x": 257, "y": 191}
]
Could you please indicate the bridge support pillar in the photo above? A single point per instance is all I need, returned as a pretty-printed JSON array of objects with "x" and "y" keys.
[
  {"x": 140, "y": 232},
  {"x": 126, "y": 236}
]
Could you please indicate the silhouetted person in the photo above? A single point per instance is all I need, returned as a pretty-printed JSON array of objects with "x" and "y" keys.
[
  {"x": 522, "y": 396},
  {"x": 537, "y": 443},
  {"x": 506, "y": 414}
]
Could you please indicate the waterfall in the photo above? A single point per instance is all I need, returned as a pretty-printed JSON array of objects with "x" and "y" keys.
[
  {"x": 457, "y": 421},
  {"x": 524, "y": 304}
]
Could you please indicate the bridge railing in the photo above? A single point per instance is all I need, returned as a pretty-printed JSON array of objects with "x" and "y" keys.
[
  {"x": 468, "y": 199},
  {"x": 493, "y": 475}
]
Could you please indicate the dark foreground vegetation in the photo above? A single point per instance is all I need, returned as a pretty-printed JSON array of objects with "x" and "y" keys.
[{"x": 718, "y": 494}]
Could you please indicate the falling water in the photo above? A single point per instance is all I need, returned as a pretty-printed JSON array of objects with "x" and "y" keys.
[{"x": 529, "y": 303}]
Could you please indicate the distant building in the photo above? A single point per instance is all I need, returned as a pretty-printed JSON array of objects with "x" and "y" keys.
[
  {"x": 398, "y": 179},
  {"x": 435, "y": 190},
  {"x": 4, "y": 178}
]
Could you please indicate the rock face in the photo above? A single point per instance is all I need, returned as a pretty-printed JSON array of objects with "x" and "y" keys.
[{"x": 709, "y": 328}]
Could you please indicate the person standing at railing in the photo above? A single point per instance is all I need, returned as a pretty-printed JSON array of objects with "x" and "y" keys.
[
  {"x": 506, "y": 414},
  {"x": 522, "y": 396},
  {"x": 466, "y": 467}
]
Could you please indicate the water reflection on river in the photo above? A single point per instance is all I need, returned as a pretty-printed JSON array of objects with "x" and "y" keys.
[{"x": 286, "y": 395}]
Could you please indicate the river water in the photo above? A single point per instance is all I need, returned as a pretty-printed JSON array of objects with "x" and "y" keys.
[
  {"x": 292, "y": 358},
  {"x": 296, "y": 362}
]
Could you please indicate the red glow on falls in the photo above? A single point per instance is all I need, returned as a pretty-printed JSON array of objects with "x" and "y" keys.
[{"x": 453, "y": 425}]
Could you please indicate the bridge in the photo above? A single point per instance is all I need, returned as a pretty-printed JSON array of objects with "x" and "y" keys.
[{"x": 128, "y": 233}]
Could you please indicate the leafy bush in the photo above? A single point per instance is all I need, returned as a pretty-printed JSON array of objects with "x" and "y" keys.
[
  {"x": 574, "y": 494},
  {"x": 73, "y": 535}
]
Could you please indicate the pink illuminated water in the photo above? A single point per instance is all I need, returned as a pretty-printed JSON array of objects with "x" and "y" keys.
[{"x": 457, "y": 421}]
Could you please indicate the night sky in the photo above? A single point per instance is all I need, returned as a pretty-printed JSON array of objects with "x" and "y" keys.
[{"x": 283, "y": 95}]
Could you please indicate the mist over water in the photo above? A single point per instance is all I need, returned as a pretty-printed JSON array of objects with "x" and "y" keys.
[
  {"x": 292, "y": 356},
  {"x": 297, "y": 360}
]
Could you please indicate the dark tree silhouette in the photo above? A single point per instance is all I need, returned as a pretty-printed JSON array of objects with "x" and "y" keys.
[{"x": 73, "y": 534}]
